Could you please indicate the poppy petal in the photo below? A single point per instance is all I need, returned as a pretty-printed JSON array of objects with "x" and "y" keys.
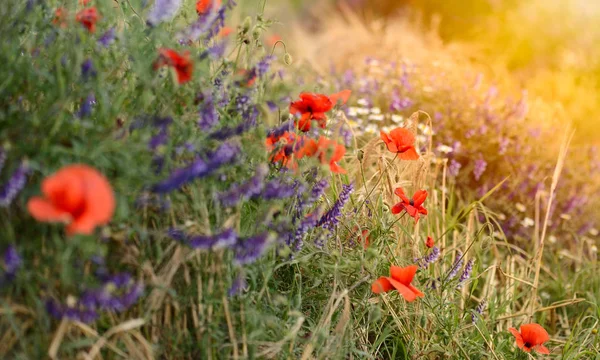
[
  {"x": 343, "y": 95},
  {"x": 406, "y": 293},
  {"x": 412, "y": 211},
  {"x": 410, "y": 154},
  {"x": 534, "y": 334},
  {"x": 405, "y": 275},
  {"x": 417, "y": 292},
  {"x": 402, "y": 137},
  {"x": 542, "y": 349},
  {"x": 304, "y": 124},
  {"x": 42, "y": 210},
  {"x": 518, "y": 337},
  {"x": 335, "y": 168},
  {"x": 381, "y": 285},
  {"x": 397, "y": 209},
  {"x": 400, "y": 193},
  {"x": 419, "y": 197}
]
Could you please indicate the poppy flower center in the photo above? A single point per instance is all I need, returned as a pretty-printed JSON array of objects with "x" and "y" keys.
[
  {"x": 411, "y": 203},
  {"x": 527, "y": 344}
]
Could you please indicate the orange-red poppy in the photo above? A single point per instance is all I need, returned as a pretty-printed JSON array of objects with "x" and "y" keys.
[
  {"x": 88, "y": 18},
  {"x": 204, "y": 6},
  {"x": 225, "y": 31},
  {"x": 273, "y": 39},
  {"x": 343, "y": 95},
  {"x": 182, "y": 63},
  {"x": 328, "y": 152},
  {"x": 400, "y": 279},
  {"x": 283, "y": 148},
  {"x": 311, "y": 107},
  {"x": 413, "y": 206},
  {"x": 78, "y": 195},
  {"x": 402, "y": 142},
  {"x": 531, "y": 337},
  {"x": 60, "y": 17},
  {"x": 429, "y": 242}
]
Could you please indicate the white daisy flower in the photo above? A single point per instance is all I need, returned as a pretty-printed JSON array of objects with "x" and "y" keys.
[
  {"x": 444, "y": 149},
  {"x": 527, "y": 222},
  {"x": 363, "y": 102},
  {"x": 375, "y": 110},
  {"x": 520, "y": 207},
  {"x": 375, "y": 117},
  {"x": 398, "y": 119}
]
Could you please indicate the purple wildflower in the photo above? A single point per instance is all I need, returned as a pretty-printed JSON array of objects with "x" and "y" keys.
[
  {"x": 217, "y": 24},
  {"x": 331, "y": 218},
  {"x": 163, "y": 10},
  {"x": 86, "y": 106},
  {"x": 87, "y": 70},
  {"x": 454, "y": 168},
  {"x": 107, "y": 38},
  {"x": 263, "y": 66},
  {"x": 480, "y": 166},
  {"x": 504, "y": 142},
  {"x": 281, "y": 129},
  {"x": 278, "y": 189},
  {"x": 226, "y": 238},
  {"x": 209, "y": 117},
  {"x": 14, "y": 185},
  {"x": 295, "y": 239},
  {"x": 247, "y": 190},
  {"x": 456, "y": 266},
  {"x": 12, "y": 260},
  {"x": 228, "y": 132},
  {"x": 466, "y": 273},
  {"x": 399, "y": 103},
  {"x": 249, "y": 250},
  {"x": 478, "y": 310},
  {"x": 199, "y": 168},
  {"x": 430, "y": 258},
  {"x": 238, "y": 285}
]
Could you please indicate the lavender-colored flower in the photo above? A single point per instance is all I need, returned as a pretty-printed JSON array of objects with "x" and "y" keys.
[
  {"x": 216, "y": 51},
  {"x": 249, "y": 250},
  {"x": 12, "y": 260},
  {"x": 247, "y": 190},
  {"x": 278, "y": 189},
  {"x": 199, "y": 168},
  {"x": 478, "y": 310},
  {"x": 295, "y": 239},
  {"x": 107, "y": 38},
  {"x": 454, "y": 168},
  {"x": 331, "y": 218},
  {"x": 87, "y": 105},
  {"x": 238, "y": 285},
  {"x": 466, "y": 273},
  {"x": 209, "y": 117},
  {"x": 429, "y": 258},
  {"x": 159, "y": 139},
  {"x": 228, "y": 132},
  {"x": 281, "y": 129},
  {"x": 456, "y": 266},
  {"x": 224, "y": 239},
  {"x": 480, "y": 166},
  {"x": 263, "y": 66},
  {"x": 503, "y": 145},
  {"x": 400, "y": 103},
  {"x": 217, "y": 24},
  {"x": 87, "y": 70},
  {"x": 14, "y": 185},
  {"x": 163, "y": 10}
]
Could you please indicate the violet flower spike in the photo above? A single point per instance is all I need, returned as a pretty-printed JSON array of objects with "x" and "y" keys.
[
  {"x": 163, "y": 10},
  {"x": 238, "y": 285},
  {"x": 107, "y": 38},
  {"x": 455, "y": 266},
  {"x": 249, "y": 250},
  {"x": 331, "y": 218},
  {"x": 14, "y": 185},
  {"x": 478, "y": 310},
  {"x": 247, "y": 190},
  {"x": 466, "y": 273}
]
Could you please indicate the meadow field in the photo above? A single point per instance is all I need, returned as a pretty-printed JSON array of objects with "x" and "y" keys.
[{"x": 283, "y": 179}]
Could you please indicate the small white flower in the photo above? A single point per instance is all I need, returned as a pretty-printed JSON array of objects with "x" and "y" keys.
[
  {"x": 565, "y": 216},
  {"x": 398, "y": 119},
  {"x": 594, "y": 232},
  {"x": 520, "y": 207},
  {"x": 363, "y": 102},
  {"x": 375, "y": 117},
  {"x": 375, "y": 110},
  {"x": 445, "y": 149},
  {"x": 352, "y": 111},
  {"x": 552, "y": 239},
  {"x": 371, "y": 129},
  {"x": 501, "y": 217},
  {"x": 422, "y": 138},
  {"x": 527, "y": 222},
  {"x": 387, "y": 129},
  {"x": 362, "y": 111}
]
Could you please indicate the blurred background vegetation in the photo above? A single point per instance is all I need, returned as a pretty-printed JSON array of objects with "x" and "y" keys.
[{"x": 550, "y": 47}]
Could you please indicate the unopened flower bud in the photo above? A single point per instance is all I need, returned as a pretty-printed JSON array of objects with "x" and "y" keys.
[
  {"x": 246, "y": 25},
  {"x": 287, "y": 59}
]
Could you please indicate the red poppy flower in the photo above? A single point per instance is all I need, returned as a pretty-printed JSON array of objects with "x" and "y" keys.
[
  {"x": 311, "y": 107},
  {"x": 531, "y": 337},
  {"x": 343, "y": 95},
  {"x": 60, "y": 17},
  {"x": 88, "y": 18},
  {"x": 78, "y": 195},
  {"x": 402, "y": 142},
  {"x": 225, "y": 32},
  {"x": 180, "y": 62},
  {"x": 330, "y": 152},
  {"x": 429, "y": 242},
  {"x": 399, "y": 279},
  {"x": 283, "y": 148},
  {"x": 204, "y": 6},
  {"x": 413, "y": 206},
  {"x": 273, "y": 39}
]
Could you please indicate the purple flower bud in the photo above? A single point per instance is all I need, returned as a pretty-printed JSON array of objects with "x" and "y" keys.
[
  {"x": 87, "y": 70},
  {"x": 263, "y": 66},
  {"x": 249, "y": 250},
  {"x": 107, "y": 38},
  {"x": 331, "y": 218},
  {"x": 244, "y": 191},
  {"x": 209, "y": 117},
  {"x": 14, "y": 185},
  {"x": 429, "y": 258},
  {"x": 454, "y": 168},
  {"x": 466, "y": 273},
  {"x": 238, "y": 285},
  {"x": 278, "y": 189},
  {"x": 480, "y": 166},
  {"x": 478, "y": 310},
  {"x": 163, "y": 10},
  {"x": 456, "y": 266},
  {"x": 12, "y": 260},
  {"x": 87, "y": 105}
]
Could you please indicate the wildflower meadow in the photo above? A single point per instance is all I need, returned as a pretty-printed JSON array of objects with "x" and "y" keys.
[{"x": 275, "y": 179}]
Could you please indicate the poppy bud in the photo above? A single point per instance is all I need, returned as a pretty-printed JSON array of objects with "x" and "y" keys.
[
  {"x": 287, "y": 59},
  {"x": 256, "y": 33},
  {"x": 360, "y": 156},
  {"x": 429, "y": 242},
  {"x": 246, "y": 25}
]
